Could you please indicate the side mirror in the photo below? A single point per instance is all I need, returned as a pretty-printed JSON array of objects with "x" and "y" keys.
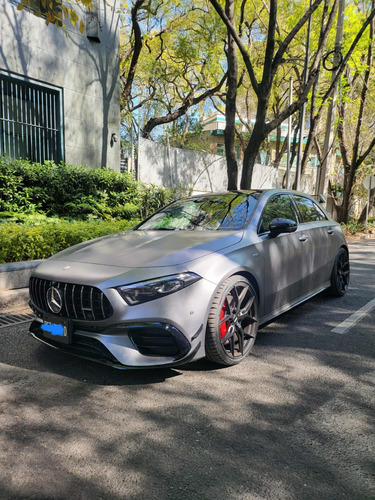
[{"x": 278, "y": 226}]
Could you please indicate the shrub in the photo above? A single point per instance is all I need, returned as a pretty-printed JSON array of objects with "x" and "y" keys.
[
  {"x": 21, "y": 242},
  {"x": 353, "y": 227},
  {"x": 75, "y": 191}
]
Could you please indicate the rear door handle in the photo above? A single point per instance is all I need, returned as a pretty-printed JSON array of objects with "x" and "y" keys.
[
  {"x": 330, "y": 231},
  {"x": 303, "y": 237}
]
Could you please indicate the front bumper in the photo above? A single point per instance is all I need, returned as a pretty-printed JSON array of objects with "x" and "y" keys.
[
  {"x": 167, "y": 331},
  {"x": 142, "y": 345}
]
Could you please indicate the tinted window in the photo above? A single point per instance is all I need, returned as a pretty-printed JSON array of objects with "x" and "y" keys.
[
  {"x": 309, "y": 211},
  {"x": 278, "y": 207},
  {"x": 226, "y": 212}
]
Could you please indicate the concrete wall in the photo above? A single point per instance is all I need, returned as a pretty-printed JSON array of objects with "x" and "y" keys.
[
  {"x": 203, "y": 171},
  {"x": 87, "y": 71}
]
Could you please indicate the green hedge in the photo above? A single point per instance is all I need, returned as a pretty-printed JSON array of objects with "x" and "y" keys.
[
  {"x": 20, "y": 242},
  {"x": 75, "y": 191}
]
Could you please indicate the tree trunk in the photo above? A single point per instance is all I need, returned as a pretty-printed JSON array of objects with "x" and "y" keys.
[
  {"x": 230, "y": 103},
  {"x": 251, "y": 151},
  {"x": 362, "y": 217}
]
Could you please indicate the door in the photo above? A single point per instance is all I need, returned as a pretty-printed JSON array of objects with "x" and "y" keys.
[
  {"x": 284, "y": 256},
  {"x": 323, "y": 251}
]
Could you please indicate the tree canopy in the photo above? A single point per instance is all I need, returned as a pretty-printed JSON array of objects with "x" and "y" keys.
[{"x": 181, "y": 58}]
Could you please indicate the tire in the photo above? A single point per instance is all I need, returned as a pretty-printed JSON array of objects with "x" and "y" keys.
[
  {"x": 340, "y": 274},
  {"x": 232, "y": 322}
]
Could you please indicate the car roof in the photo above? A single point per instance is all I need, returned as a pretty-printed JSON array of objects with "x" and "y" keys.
[{"x": 250, "y": 191}]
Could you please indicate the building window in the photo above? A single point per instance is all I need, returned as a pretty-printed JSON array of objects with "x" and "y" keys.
[
  {"x": 220, "y": 150},
  {"x": 93, "y": 29},
  {"x": 30, "y": 120}
]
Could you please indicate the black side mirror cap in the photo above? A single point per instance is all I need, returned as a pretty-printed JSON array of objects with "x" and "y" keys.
[{"x": 278, "y": 226}]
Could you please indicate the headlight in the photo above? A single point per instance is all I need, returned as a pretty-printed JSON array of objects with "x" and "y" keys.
[{"x": 154, "y": 289}]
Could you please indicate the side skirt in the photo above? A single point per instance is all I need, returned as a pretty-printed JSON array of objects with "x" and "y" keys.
[{"x": 286, "y": 307}]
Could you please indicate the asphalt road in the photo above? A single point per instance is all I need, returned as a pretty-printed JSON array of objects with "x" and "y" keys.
[{"x": 295, "y": 420}]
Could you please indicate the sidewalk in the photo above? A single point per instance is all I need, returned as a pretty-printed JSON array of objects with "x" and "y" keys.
[
  {"x": 14, "y": 301},
  {"x": 14, "y": 281}
]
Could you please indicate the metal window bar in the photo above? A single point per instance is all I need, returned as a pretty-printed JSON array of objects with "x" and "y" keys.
[{"x": 30, "y": 120}]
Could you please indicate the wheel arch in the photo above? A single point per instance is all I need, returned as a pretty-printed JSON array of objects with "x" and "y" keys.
[
  {"x": 345, "y": 247},
  {"x": 252, "y": 279}
]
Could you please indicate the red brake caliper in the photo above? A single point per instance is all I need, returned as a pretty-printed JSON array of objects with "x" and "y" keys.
[{"x": 224, "y": 326}]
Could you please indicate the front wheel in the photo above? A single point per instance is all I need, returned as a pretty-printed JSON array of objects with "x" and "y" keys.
[
  {"x": 232, "y": 322},
  {"x": 340, "y": 274}
]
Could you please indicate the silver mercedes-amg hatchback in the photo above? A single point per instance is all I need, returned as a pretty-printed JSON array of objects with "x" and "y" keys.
[{"x": 195, "y": 279}]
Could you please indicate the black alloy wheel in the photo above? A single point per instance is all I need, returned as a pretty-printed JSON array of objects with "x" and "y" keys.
[
  {"x": 232, "y": 322},
  {"x": 340, "y": 274}
]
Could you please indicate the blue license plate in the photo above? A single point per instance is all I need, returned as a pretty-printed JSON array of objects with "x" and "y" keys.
[{"x": 56, "y": 330}]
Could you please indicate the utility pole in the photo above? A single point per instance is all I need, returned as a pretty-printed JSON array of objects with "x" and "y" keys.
[
  {"x": 288, "y": 151},
  {"x": 132, "y": 145},
  {"x": 303, "y": 112},
  {"x": 322, "y": 180},
  {"x": 138, "y": 141}
]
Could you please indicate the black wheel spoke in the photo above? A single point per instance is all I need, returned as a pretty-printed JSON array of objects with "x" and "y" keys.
[
  {"x": 227, "y": 336},
  {"x": 342, "y": 272},
  {"x": 236, "y": 298},
  {"x": 239, "y": 314},
  {"x": 242, "y": 295},
  {"x": 226, "y": 303},
  {"x": 231, "y": 343},
  {"x": 240, "y": 337},
  {"x": 245, "y": 310},
  {"x": 225, "y": 319}
]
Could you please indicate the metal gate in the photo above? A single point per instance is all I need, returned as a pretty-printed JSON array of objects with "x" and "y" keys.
[{"x": 30, "y": 120}]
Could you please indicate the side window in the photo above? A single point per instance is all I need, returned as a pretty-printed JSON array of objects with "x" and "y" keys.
[
  {"x": 278, "y": 207},
  {"x": 309, "y": 211}
]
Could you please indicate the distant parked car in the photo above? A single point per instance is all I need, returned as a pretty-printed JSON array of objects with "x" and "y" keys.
[{"x": 195, "y": 279}]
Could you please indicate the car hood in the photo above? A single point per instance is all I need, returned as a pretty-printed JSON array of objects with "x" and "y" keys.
[{"x": 134, "y": 249}]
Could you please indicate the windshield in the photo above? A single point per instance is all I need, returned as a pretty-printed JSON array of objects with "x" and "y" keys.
[{"x": 224, "y": 212}]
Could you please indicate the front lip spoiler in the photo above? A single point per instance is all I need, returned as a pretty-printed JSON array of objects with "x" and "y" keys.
[{"x": 119, "y": 365}]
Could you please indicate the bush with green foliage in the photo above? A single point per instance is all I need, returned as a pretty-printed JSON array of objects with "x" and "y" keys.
[
  {"x": 75, "y": 192},
  {"x": 19, "y": 242},
  {"x": 353, "y": 226}
]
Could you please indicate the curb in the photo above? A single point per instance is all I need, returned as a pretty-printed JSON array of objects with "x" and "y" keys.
[{"x": 15, "y": 275}]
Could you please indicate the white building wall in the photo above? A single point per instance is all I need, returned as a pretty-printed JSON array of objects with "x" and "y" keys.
[
  {"x": 202, "y": 172},
  {"x": 88, "y": 73}
]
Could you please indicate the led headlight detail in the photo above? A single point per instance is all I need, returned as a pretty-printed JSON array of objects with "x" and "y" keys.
[{"x": 145, "y": 291}]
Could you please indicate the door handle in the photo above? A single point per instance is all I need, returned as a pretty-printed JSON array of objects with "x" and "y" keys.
[
  {"x": 330, "y": 231},
  {"x": 303, "y": 237}
]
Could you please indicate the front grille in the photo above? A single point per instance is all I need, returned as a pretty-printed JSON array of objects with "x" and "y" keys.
[{"x": 80, "y": 302}]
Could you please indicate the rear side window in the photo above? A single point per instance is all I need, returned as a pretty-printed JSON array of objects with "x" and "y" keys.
[
  {"x": 278, "y": 207},
  {"x": 308, "y": 210}
]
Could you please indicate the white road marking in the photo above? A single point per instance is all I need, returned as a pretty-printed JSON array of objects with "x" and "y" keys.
[{"x": 354, "y": 318}]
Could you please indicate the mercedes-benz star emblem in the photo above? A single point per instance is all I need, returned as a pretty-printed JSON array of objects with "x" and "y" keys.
[{"x": 54, "y": 299}]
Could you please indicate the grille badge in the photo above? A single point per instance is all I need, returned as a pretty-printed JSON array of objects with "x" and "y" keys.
[{"x": 54, "y": 299}]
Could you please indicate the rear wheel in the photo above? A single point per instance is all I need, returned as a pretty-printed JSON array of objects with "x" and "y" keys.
[
  {"x": 232, "y": 322},
  {"x": 340, "y": 274}
]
